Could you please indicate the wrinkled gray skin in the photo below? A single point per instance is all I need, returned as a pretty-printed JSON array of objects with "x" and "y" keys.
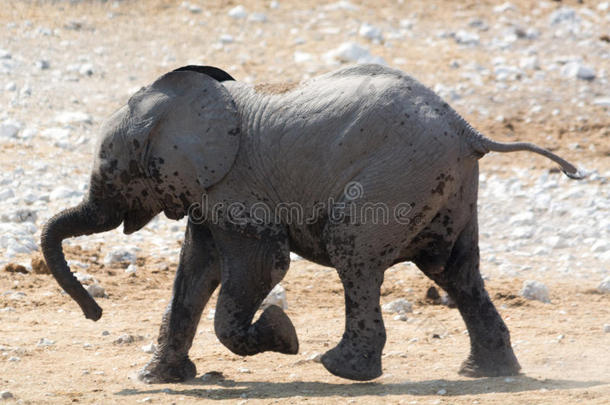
[{"x": 189, "y": 137}]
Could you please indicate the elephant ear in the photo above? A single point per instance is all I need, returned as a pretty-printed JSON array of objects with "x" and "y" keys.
[{"x": 183, "y": 128}]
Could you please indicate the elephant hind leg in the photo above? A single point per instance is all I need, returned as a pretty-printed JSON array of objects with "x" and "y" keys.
[
  {"x": 251, "y": 268},
  {"x": 491, "y": 353}
]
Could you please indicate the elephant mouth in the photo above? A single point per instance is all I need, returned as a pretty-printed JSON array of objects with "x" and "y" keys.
[{"x": 134, "y": 220}]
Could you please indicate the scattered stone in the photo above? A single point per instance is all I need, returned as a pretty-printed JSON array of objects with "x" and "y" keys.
[
  {"x": 607, "y": 327},
  {"x": 602, "y": 101},
  {"x": 601, "y": 246},
  {"x": 257, "y": 17},
  {"x": 14, "y": 359},
  {"x": 466, "y": 37},
  {"x": 244, "y": 370},
  {"x": 9, "y": 129},
  {"x": 150, "y": 348},
  {"x": 442, "y": 391},
  {"x": 212, "y": 376},
  {"x": 43, "y": 64},
  {"x": 294, "y": 257},
  {"x": 315, "y": 357},
  {"x": 400, "y": 317},
  {"x": 127, "y": 339},
  {"x": 277, "y": 296},
  {"x": 354, "y": 53},
  {"x": 96, "y": 290},
  {"x": 535, "y": 290},
  {"x": 302, "y": 57},
  {"x": 371, "y": 32},
  {"x": 62, "y": 192},
  {"x": 585, "y": 73},
  {"x": 563, "y": 15},
  {"x": 131, "y": 269},
  {"x": 45, "y": 342},
  {"x": 105, "y": 333},
  {"x": 15, "y": 268},
  {"x": 73, "y": 117},
  {"x": 238, "y": 12},
  {"x": 226, "y": 39},
  {"x": 10, "y": 86},
  {"x": 119, "y": 255},
  {"x": 399, "y": 306},
  {"x": 6, "y": 395},
  {"x": 84, "y": 278},
  {"x": 6, "y": 194},
  {"x": 604, "y": 286},
  {"x": 211, "y": 314}
]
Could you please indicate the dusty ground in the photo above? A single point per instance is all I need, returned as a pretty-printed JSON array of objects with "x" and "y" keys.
[{"x": 561, "y": 346}]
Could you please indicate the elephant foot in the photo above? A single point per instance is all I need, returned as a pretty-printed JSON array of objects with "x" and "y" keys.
[
  {"x": 352, "y": 364},
  {"x": 277, "y": 332},
  {"x": 157, "y": 371},
  {"x": 491, "y": 365}
]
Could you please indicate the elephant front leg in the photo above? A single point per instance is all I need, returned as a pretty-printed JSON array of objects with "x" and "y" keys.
[
  {"x": 197, "y": 277},
  {"x": 358, "y": 354},
  {"x": 251, "y": 268}
]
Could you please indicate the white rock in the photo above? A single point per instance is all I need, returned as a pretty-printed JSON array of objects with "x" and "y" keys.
[
  {"x": 442, "y": 391},
  {"x": 341, "y": 5},
  {"x": 211, "y": 314},
  {"x": 149, "y": 348},
  {"x": 83, "y": 278},
  {"x": 602, "y": 101},
  {"x": 96, "y": 290},
  {"x": 45, "y": 342},
  {"x": 226, "y": 38},
  {"x": 295, "y": 257},
  {"x": 400, "y": 317},
  {"x": 10, "y": 86},
  {"x": 118, "y": 255},
  {"x": 131, "y": 269},
  {"x": 244, "y": 370},
  {"x": 62, "y": 192},
  {"x": 563, "y": 15},
  {"x": 274, "y": 5},
  {"x": 238, "y": 12},
  {"x": 522, "y": 219},
  {"x": 277, "y": 296},
  {"x": 504, "y": 7},
  {"x": 607, "y": 327},
  {"x": 399, "y": 306},
  {"x": 57, "y": 134},
  {"x": 4, "y": 54},
  {"x": 6, "y": 395},
  {"x": 315, "y": 357},
  {"x": 601, "y": 6},
  {"x": 73, "y": 117},
  {"x": 466, "y": 37},
  {"x": 370, "y": 32},
  {"x": 14, "y": 359},
  {"x": 6, "y": 194},
  {"x": 302, "y": 57},
  {"x": 354, "y": 53},
  {"x": 523, "y": 232},
  {"x": 604, "y": 286},
  {"x": 194, "y": 9},
  {"x": 257, "y": 17},
  {"x": 86, "y": 69},
  {"x": 601, "y": 246},
  {"x": 535, "y": 290},
  {"x": 9, "y": 129}
]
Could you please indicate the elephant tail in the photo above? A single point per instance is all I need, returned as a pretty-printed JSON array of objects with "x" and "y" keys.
[{"x": 484, "y": 145}]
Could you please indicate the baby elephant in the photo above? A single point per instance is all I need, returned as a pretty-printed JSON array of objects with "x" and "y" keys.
[{"x": 358, "y": 169}]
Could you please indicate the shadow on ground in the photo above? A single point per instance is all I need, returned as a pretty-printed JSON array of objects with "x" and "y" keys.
[{"x": 230, "y": 389}]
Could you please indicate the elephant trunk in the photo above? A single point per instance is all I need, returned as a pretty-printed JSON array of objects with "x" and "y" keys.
[{"x": 83, "y": 219}]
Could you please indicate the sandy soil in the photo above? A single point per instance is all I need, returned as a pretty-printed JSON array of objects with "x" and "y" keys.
[{"x": 561, "y": 346}]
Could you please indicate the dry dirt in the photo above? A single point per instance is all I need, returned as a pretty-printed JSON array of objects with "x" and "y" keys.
[{"x": 561, "y": 346}]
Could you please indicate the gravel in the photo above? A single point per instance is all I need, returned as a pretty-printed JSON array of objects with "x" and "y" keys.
[
  {"x": 535, "y": 290},
  {"x": 399, "y": 306}
]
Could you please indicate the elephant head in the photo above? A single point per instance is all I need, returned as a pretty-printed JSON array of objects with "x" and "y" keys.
[{"x": 159, "y": 153}]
